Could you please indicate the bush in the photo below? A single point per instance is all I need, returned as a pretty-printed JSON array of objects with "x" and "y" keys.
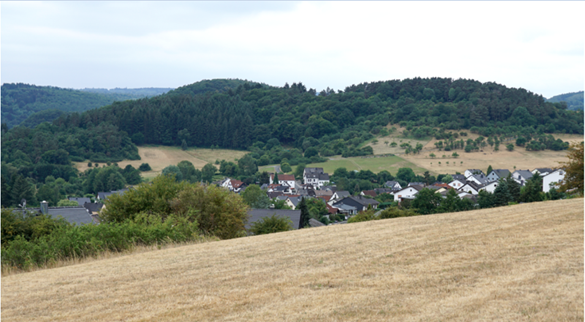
[
  {"x": 363, "y": 216},
  {"x": 144, "y": 167},
  {"x": 272, "y": 224},
  {"x": 393, "y": 212}
]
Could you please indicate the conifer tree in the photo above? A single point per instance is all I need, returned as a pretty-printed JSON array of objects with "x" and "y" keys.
[
  {"x": 275, "y": 181},
  {"x": 305, "y": 216}
]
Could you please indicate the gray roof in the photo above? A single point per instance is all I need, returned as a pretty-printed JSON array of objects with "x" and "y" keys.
[
  {"x": 313, "y": 170},
  {"x": 481, "y": 178},
  {"x": 544, "y": 170},
  {"x": 391, "y": 184},
  {"x": 416, "y": 184},
  {"x": 75, "y": 215},
  {"x": 342, "y": 194},
  {"x": 295, "y": 200},
  {"x": 315, "y": 223},
  {"x": 526, "y": 174},
  {"x": 105, "y": 195},
  {"x": 345, "y": 207},
  {"x": 475, "y": 171},
  {"x": 459, "y": 177},
  {"x": 502, "y": 173},
  {"x": 93, "y": 207},
  {"x": 257, "y": 214},
  {"x": 80, "y": 201}
]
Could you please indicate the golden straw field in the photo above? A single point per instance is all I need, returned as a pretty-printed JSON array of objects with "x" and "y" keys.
[{"x": 515, "y": 263}]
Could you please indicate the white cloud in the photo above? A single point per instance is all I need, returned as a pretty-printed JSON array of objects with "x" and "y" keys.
[{"x": 535, "y": 45}]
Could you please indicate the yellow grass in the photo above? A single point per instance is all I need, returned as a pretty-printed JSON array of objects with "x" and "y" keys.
[
  {"x": 502, "y": 159},
  {"x": 160, "y": 157},
  {"x": 516, "y": 263}
]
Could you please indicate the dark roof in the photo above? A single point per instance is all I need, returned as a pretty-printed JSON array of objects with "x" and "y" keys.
[
  {"x": 544, "y": 170},
  {"x": 391, "y": 183},
  {"x": 257, "y": 214},
  {"x": 320, "y": 176},
  {"x": 416, "y": 184},
  {"x": 342, "y": 194},
  {"x": 275, "y": 194},
  {"x": 313, "y": 170},
  {"x": 383, "y": 190},
  {"x": 330, "y": 188},
  {"x": 75, "y": 215},
  {"x": 93, "y": 207},
  {"x": 80, "y": 201},
  {"x": 526, "y": 174},
  {"x": 362, "y": 200},
  {"x": 502, "y": 173},
  {"x": 459, "y": 177},
  {"x": 315, "y": 223},
  {"x": 474, "y": 185},
  {"x": 481, "y": 178},
  {"x": 371, "y": 193},
  {"x": 105, "y": 195}
]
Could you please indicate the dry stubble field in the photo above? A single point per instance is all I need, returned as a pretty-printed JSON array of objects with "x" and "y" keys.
[
  {"x": 159, "y": 157},
  {"x": 516, "y": 263}
]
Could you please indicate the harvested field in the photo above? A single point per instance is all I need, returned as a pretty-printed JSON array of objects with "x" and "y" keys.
[
  {"x": 159, "y": 157},
  {"x": 515, "y": 263}
]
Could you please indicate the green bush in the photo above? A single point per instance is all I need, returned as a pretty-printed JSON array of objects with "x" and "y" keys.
[
  {"x": 68, "y": 242},
  {"x": 272, "y": 224},
  {"x": 144, "y": 167},
  {"x": 393, "y": 212},
  {"x": 363, "y": 216}
]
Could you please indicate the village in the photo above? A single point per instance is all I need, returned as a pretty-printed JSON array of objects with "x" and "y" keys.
[{"x": 340, "y": 205}]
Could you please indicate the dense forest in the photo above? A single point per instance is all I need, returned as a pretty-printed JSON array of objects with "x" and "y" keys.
[
  {"x": 30, "y": 105},
  {"x": 289, "y": 124},
  {"x": 574, "y": 100}
]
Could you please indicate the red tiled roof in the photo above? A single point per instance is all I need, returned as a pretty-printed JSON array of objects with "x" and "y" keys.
[
  {"x": 236, "y": 183},
  {"x": 369, "y": 193},
  {"x": 287, "y": 177}
]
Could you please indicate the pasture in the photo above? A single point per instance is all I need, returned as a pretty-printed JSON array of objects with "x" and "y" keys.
[{"x": 514, "y": 263}]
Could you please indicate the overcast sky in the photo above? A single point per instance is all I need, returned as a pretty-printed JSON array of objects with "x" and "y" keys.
[{"x": 535, "y": 45}]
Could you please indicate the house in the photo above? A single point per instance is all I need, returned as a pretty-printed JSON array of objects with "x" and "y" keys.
[
  {"x": 75, "y": 215},
  {"x": 490, "y": 186},
  {"x": 284, "y": 179},
  {"x": 346, "y": 209},
  {"x": 315, "y": 223},
  {"x": 470, "y": 172},
  {"x": 394, "y": 185},
  {"x": 542, "y": 171},
  {"x": 359, "y": 202},
  {"x": 498, "y": 174},
  {"x": 104, "y": 195},
  {"x": 233, "y": 185},
  {"x": 553, "y": 179},
  {"x": 80, "y": 201},
  {"x": 459, "y": 177},
  {"x": 521, "y": 176},
  {"x": 370, "y": 193},
  {"x": 257, "y": 214},
  {"x": 293, "y": 201},
  {"x": 93, "y": 208},
  {"x": 274, "y": 194},
  {"x": 457, "y": 184},
  {"x": 322, "y": 193},
  {"x": 479, "y": 179},
  {"x": 315, "y": 177},
  {"x": 416, "y": 184},
  {"x": 337, "y": 195},
  {"x": 471, "y": 187},
  {"x": 407, "y": 193},
  {"x": 440, "y": 187}
]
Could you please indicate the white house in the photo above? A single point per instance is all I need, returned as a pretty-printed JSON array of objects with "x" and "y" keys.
[
  {"x": 479, "y": 179},
  {"x": 470, "y": 172},
  {"x": 406, "y": 193},
  {"x": 490, "y": 187},
  {"x": 542, "y": 171},
  {"x": 285, "y": 180},
  {"x": 456, "y": 184},
  {"x": 497, "y": 174},
  {"x": 552, "y": 179},
  {"x": 394, "y": 185},
  {"x": 521, "y": 176},
  {"x": 471, "y": 187}
]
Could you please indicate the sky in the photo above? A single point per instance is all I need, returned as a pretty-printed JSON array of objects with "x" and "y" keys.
[{"x": 538, "y": 46}]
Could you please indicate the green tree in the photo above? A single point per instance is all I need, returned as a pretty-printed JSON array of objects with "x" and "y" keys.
[
  {"x": 285, "y": 167},
  {"x": 299, "y": 171},
  {"x": 405, "y": 174},
  {"x": 67, "y": 203},
  {"x": 272, "y": 224},
  {"x": 502, "y": 194},
  {"x": 426, "y": 201},
  {"x": 533, "y": 190},
  {"x": 450, "y": 203},
  {"x": 144, "y": 167},
  {"x": 184, "y": 145},
  {"x": 275, "y": 180},
  {"x": 255, "y": 197},
  {"x": 173, "y": 170},
  {"x": 21, "y": 189},
  {"x": 485, "y": 199},
  {"x": 510, "y": 147},
  {"x": 305, "y": 216},
  {"x": 208, "y": 172},
  {"x": 447, "y": 179},
  {"x": 489, "y": 170},
  {"x": 573, "y": 170}
]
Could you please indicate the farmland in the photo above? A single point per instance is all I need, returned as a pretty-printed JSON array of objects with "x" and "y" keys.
[
  {"x": 522, "y": 262},
  {"x": 159, "y": 157}
]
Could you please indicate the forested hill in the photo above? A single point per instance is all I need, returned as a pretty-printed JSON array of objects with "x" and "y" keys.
[
  {"x": 30, "y": 105},
  {"x": 574, "y": 100},
  {"x": 292, "y": 114},
  {"x": 132, "y": 92}
]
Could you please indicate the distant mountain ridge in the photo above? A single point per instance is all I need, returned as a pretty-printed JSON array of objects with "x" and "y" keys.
[
  {"x": 30, "y": 105},
  {"x": 574, "y": 100}
]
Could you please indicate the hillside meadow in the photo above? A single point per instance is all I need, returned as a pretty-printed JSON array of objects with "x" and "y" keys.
[
  {"x": 515, "y": 263},
  {"x": 159, "y": 157}
]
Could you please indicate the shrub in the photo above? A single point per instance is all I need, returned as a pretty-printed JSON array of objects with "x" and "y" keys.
[
  {"x": 144, "y": 167},
  {"x": 272, "y": 224},
  {"x": 363, "y": 216},
  {"x": 393, "y": 212}
]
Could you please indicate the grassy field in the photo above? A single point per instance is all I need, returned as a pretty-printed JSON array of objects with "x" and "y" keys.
[
  {"x": 159, "y": 157},
  {"x": 515, "y": 263},
  {"x": 390, "y": 163}
]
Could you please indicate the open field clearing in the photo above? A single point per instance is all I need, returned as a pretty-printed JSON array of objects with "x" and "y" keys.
[
  {"x": 515, "y": 263},
  {"x": 159, "y": 157}
]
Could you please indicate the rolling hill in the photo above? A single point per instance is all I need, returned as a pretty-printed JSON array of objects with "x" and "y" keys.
[
  {"x": 574, "y": 100},
  {"x": 522, "y": 262}
]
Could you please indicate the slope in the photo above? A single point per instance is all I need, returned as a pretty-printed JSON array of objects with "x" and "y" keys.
[
  {"x": 522, "y": 262},
  {"x": 574, "y": 100}
]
